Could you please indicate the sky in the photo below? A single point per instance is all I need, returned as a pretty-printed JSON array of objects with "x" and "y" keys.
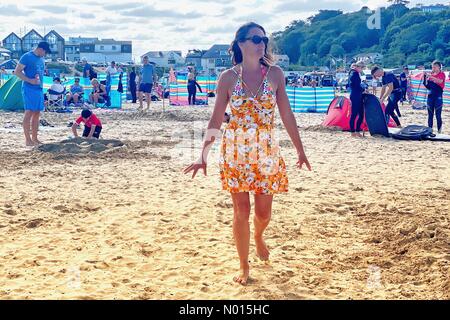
[{"x": 163, "y": 25}]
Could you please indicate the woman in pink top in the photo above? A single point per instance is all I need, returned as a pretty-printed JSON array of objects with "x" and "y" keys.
[{"x": 435, "y": 83}]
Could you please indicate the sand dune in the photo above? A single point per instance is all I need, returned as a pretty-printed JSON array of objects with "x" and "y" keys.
[{"x": 122, "y": 222}]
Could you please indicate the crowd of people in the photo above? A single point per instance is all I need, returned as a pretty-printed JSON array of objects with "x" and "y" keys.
[
  {"x": 252, "y": 88},
  {"x": 394, "y": 90}
]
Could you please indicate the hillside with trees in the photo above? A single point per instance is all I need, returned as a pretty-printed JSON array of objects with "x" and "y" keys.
[{"x": 332, "y": 38}]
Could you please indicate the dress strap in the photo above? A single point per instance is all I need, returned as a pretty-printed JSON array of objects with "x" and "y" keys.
[{"x": 265, "y": 81}]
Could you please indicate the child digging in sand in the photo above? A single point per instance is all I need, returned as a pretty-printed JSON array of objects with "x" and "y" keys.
[{"x": 92, "y": 125}]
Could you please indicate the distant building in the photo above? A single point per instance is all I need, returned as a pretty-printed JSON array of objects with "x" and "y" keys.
[
  {"x": 31, "y": 40},
  {"x": 194, "y": 58},
  {"x": 80, "y": 40},
  {"x": 56, "y": 45},
  {"x": 373, "y": 57},
  {"x": 281, "y": 60},
  {"x": 18, "y": 46},
  {"x": 94, "y": 49},
  {"x": 165, "y": 59},
  {"x": 5, "y": 54},
  {"x": 216, "y": 59},
  {"x": 107, "y": 50},
  {"x": 72, "y": 51},
  {"x": 72, "y": 47},
  {"x": 13, "y": 43},
  {"x": 434, "y": 8}
]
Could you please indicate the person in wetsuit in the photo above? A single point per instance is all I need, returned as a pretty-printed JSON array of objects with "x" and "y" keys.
[
  {"x": 192, "y": 86},
  {"x": 132, "y": 84},
  {"x": 356, "y": 91},
  {"x": 390, "y": 91},
  {"x": 435, "y": 83}
]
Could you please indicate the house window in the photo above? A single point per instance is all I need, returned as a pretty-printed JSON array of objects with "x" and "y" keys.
[
  {"x": 211, "y": 60},
  {"x": 114, "y": 48},
  {"x": 102, "y": 48},
  {"x": 51, "y": 39}
]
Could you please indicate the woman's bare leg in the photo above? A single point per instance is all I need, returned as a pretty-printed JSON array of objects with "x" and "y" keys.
[
  {"x": 241, "y": 232},
  {"x": 263, "y": 213}
]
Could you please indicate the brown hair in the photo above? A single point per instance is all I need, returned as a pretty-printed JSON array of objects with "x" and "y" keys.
[
  {"x": 375, "y": 69},
  {"x": 437, "y": 63},
  {"x": 241, "y": 34}
]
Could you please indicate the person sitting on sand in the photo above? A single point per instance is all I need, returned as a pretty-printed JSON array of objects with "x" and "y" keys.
[
  {"x": 98, "y": 94},
  {"x": 92, "y": 125},
  {"x": 76, "y": 91}
]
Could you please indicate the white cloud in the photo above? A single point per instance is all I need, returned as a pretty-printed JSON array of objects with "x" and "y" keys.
[{"x": 163, "y": 25}]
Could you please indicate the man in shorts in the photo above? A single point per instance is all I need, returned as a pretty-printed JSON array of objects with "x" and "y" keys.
[
  {"x": 30, "y": 70},
  {"x": 146, "y": 83}
]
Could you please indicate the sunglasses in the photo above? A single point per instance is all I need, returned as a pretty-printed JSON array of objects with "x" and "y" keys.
[{"x": 257, "y": 39}]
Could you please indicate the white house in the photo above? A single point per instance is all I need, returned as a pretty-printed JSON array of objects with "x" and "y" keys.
[
  {"x": 216, "y": 59},
  {"x": 372, "y": 57},
  {"x": 433, "y": 8},
  {"x": 282, "y": 60},
  {"x": 165, "y": 59},
  {"x": 107, "y": 50},
  {"x": 5, "y": 54}
]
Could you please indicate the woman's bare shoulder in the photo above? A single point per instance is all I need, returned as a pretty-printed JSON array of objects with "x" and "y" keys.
[
  {"x": 228, "y": 77},
  {"x": 276, "y": 72}
]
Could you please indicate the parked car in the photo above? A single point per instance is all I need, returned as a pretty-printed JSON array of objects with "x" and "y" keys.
[{"x": 327, "y": 80}]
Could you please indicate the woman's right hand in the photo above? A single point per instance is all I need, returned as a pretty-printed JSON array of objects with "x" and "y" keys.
[{"x": 199, "y": 164}]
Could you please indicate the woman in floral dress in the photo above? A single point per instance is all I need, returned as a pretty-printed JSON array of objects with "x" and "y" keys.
[{"x": 250, "y": 156}]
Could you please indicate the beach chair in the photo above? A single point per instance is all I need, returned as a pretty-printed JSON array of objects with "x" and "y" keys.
[
  {"x": 71, "y": 103},
  {"x": 54, "y": 99}
]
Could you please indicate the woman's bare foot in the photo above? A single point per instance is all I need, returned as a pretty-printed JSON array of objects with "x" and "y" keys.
[
  {"x": 261, "y": 249},
  {"x": 243, "y": 275},
  {"x": 29, "y": 143},
  {"x": 356, "y": 135}
]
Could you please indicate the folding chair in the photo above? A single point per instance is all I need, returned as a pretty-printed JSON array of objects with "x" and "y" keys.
[
  {"x": 78, "y": 104},
  {"x": 52, "y": 103}
]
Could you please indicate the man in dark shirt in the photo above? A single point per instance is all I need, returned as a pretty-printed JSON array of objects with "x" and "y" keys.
[
  {"x": 390, "y": 91},
  {"x": 88, "y": 71}
]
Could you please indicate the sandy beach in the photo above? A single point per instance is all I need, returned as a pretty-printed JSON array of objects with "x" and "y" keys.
[{"x": 371, "y": 221}]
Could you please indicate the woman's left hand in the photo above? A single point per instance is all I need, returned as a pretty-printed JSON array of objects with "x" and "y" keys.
[{"x": 303, "y": 160}]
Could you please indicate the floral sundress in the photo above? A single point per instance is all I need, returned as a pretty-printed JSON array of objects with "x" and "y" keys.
[{"x": 250, "y": 159}]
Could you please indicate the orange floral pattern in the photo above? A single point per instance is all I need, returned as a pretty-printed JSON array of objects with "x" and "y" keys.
[{"x": 250, "y": 157}]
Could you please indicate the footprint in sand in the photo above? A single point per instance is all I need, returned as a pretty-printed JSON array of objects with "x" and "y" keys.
[
  {"x": 10, "y": 212},
  {"x": 61, "y": 208},
  {"x": 34, "y": 223}
]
